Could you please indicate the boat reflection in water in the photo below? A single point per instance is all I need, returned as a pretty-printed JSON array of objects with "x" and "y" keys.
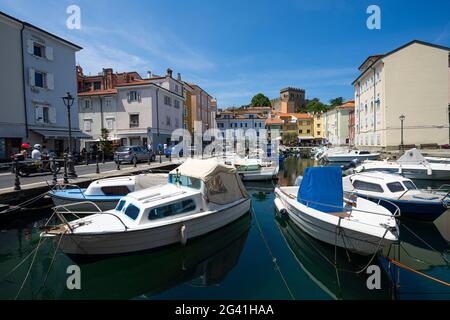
[
  {"x": 205, "y": 261},
  {"x": 317, "y": 258},
  {"x": 423, "y": 250}
]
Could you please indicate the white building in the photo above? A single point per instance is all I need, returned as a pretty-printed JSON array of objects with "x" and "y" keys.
[
  {"x": 41, "y": 70},
  {"x": 336, "y": 124},
  {"x": 413, "y": 81}
]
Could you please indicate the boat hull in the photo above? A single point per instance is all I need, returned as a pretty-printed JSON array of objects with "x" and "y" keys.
[
  {"x": 354, "y": 241},
  {"x": 417, "y": 174},
  {"x": 263, "y": 175},
  {"x": 115, "y": 243},
  {"x": 413, "y": 210},
  {"x": 351, "y": 158}
]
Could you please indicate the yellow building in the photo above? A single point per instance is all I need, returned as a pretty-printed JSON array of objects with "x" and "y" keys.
[
  {"x": 187, "y": 108},
  {"x": 318, "y": 127}
]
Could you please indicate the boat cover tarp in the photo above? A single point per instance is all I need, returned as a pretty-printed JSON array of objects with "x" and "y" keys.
[
  {"x": 223, "y": 184},
  {"x": 321, "y": 189},
  {"x": 412, "y": 156}
]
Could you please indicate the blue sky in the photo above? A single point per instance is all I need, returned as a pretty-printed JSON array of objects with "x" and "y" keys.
[{"x": 237, "y": 48}]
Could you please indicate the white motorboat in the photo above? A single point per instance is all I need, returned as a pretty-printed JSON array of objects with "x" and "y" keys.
[
  {"x": 411, "y": 165},
  {"x": 104, "y": 193},
  {"x": 426, "y": 205},
  {"x": 201, "y": 196},
  {"x": 438, "y": 160},
  {"x": 350, "y": 155},
  {"x": 253, "y": 169},
  {"x": 319, "y": 208}
]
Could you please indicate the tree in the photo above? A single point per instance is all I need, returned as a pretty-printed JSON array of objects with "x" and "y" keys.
[
  {"x": 316, "y": 106},
  {"x": 339, "y": 101},
  {"x": 289, "y": 138},
  {"x": 260, "y": 100},
  {"x": 105, "y": 143}
]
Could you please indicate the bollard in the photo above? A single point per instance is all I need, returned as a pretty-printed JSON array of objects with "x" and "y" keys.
[
  {"x": 71, "y": 167},
  {"x": 118, "y": 164},
  {"x": 149, "y": 158},
  {"x": 55, "y": 175},
  {"x": 97, "y": 168},
  {"x": 170, "y": 155},
  {"x": 160, "y": 159},
  {"x": 135, "y": 160},
  {"x": 17, "y": 179},
  {"x": 66, "y": 178},
  {"x": 86, "y": 159},
  {"x": 103, "y": 157}
]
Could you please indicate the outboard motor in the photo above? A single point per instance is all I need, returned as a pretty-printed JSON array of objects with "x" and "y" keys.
[{"x": 351, "y": 165}]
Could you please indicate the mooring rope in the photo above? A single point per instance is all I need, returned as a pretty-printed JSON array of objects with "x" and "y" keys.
[
  {"x": 25, "y": 203},
  {"x": 274, "y": 259},
  {"x": 401, "y": 265}
]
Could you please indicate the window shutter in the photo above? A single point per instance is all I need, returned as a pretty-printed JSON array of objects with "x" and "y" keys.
[
  {"x": 52, "y": 114},
  {"x": 31, "y": 76},
  {"x": 128, "y": 97},
  {"x": 50, "y": 81},
  {"x": 49, "y": 53},
  {"x": 139, "y": 96},
  {"x": 39, "y": 114},
  {"x": 30, "y": 46}
]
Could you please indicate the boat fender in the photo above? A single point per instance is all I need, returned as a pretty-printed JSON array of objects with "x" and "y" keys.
[
  {"x": 429, "y": 171},
  {"x": 280, "y": 207},
  {"x": 400, "y": 170},
  {"x": 183, "y": 235}
]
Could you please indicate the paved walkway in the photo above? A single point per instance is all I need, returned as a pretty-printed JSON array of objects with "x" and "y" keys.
[{"x": 84, "y": 172}]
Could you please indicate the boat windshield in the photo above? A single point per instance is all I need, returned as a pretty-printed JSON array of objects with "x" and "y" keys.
[
  {"x": 409, "y": 185},
  {"x": 395, "y": 187},
  {"x": 186, "y": 181}
]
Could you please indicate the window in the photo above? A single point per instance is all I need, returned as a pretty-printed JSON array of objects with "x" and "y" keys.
[
  {"x": 409, "y": 185},
  {"x": 45, "y": 115},
  {"x": 110, "y": 124},
  {"x": 120, "y": 205},
  {"x": 181, "y": 207},
  {"x": 395, "y": 187},
  {"x": 167, "y": 101},
  {"x": 108, "y": 102},
  {"x": 367, "y": 186},
  {"x": 38, "y": 50},
  {"x": 87, "y": 125},
  {"x": 318, "y": 125},
  {"x": 87, "y": 104},
  {"x": 185, "y": 112},
  {"x": 185, "y": 181},
  {"x": 39, "y": 79},
  {"x": 97, "y": 85},
  {"x": 177, "y": 104},
  {"x": 133, "y": 96},
  {"x": 176, "y": 88},
  {"x": 134, "y": 120},
  {"x": 132, "y": 211},
  {"x": 308, "y": 131},
  {"x": 115, "y": 190},
  {"x": 300, "y": 131},
  {"x": 318, "y": 133},
  {"x": 168, "y": 121}
]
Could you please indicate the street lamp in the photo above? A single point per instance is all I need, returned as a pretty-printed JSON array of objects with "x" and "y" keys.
[
  {"x": 68, "y": 102},
  {"x": 402, "y": 118}
]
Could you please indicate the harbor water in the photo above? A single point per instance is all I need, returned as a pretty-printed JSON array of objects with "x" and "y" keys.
[{"x": 260, "y": 256}]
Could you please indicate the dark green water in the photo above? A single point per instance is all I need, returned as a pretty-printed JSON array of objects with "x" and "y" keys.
[{"x": 260, "y": 256}]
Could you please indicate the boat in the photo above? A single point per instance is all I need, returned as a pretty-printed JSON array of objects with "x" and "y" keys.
[
  {"x": 104, "y": 193},
  {"x": 412, "y": 165},
  {"x": 319, "y": 207},
  {"x": 438, "y": 160},
  {"x": 204, "y": 262},
  {"x": 253, "y": 169},
  {"x": 426, "y": 205},
  {"x": 350, "y": 155},
  {"x": 201, "y": 196}
]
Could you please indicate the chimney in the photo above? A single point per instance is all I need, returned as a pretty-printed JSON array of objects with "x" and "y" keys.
[
  {"x": 169, "y": 72},
  {"x": 179, "y": 76},
  {"x": 149, "y": 74}
]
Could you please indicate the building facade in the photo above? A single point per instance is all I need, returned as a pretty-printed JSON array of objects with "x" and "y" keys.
[
  {"x": 336, "y": 124},
  {"x": 41, "y": 70},
  {"x": 413, "y": 81},
  {"x": 203, "y": 108}
]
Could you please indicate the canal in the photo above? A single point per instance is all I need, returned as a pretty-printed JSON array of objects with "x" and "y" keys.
[{"x": 260, "y": 256}]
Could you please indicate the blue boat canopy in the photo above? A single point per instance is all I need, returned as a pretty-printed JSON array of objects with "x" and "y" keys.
[{"x": 321, "y": 189}]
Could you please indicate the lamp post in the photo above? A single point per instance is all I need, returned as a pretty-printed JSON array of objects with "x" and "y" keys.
[
  {"x": 68, "y": 102},
  {"x": 402, "y": 118}
]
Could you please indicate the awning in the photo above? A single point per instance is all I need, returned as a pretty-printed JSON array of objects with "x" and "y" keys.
[
  {"x": 61, "y": 134},
  {"x": 306, "y": 138}
]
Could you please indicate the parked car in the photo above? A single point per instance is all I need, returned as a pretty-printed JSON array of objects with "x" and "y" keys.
[{"x": 133, "y": 154}]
